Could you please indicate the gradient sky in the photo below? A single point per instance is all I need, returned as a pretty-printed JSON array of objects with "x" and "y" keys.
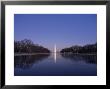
[{"x": 64, "y": 30}]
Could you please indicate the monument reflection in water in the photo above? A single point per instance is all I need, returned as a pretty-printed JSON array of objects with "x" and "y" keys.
[{"x": 55, "y": 64}]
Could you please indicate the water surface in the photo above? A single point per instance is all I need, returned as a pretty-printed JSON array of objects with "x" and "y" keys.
[{"x": 55, "y": 65}]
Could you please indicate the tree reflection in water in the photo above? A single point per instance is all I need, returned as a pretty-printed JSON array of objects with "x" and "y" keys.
[
  {"x": 92, "y": 59},
  {"x": 27, "y": 61}
]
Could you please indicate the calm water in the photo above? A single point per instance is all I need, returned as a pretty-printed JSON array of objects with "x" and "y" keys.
[{"x": 55, "y": 65}]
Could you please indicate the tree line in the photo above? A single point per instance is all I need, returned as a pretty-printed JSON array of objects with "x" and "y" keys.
[
  {"x": 89, "y": 48},
  {"x": 27, "y": 46}
]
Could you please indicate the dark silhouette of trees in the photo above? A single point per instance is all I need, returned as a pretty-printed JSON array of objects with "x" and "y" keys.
[
  {"x": 27, "y": 46},
  {"x": 89, "y": 48}
]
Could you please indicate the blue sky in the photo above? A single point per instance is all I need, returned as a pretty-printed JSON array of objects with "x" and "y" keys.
[{"x": 64, "y": 30}]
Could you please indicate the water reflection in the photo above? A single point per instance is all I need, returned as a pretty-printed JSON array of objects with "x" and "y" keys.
[
  {"x": 92, "y": 59},
  {"x": 55, "y": 56},
  {"x": 55, "y": 64},
  {"x": 27, "y": 61}
]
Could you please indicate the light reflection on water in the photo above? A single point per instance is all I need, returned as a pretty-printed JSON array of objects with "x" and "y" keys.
[{"x": 55, "y": 64}]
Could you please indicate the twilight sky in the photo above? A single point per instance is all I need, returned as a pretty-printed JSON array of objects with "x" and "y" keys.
[{"x": 64, "y": 30}]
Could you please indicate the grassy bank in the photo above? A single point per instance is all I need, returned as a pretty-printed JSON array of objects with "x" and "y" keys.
[{"x": 21, "y": 54}]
